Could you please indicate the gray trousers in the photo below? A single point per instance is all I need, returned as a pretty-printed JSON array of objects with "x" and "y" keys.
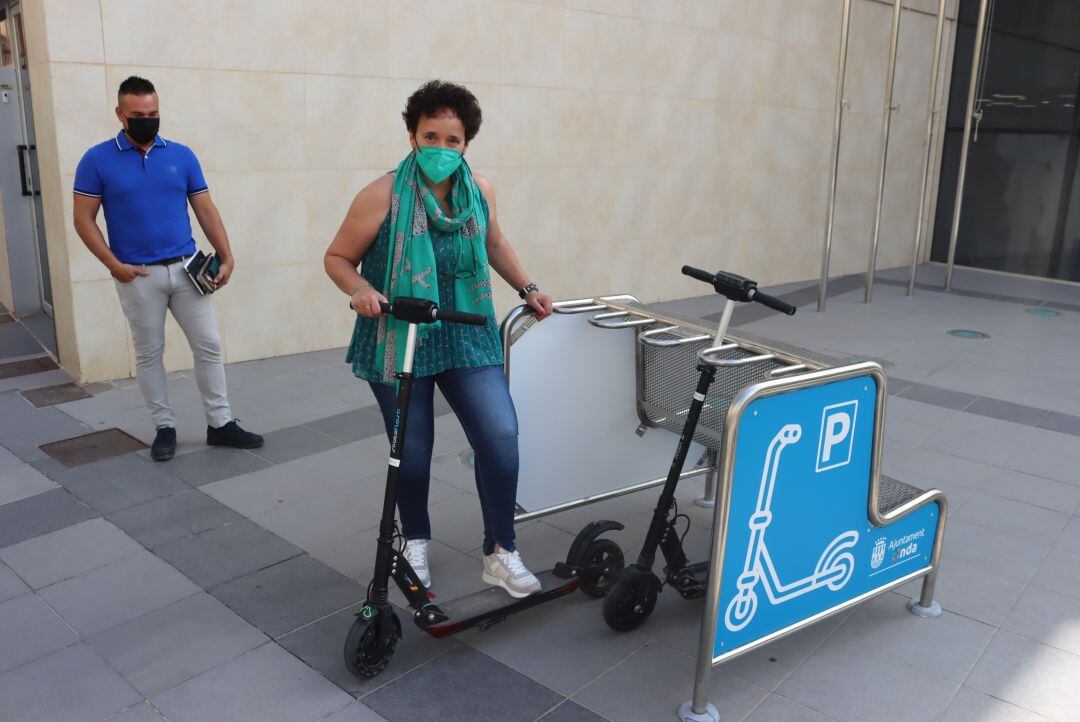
[{"x": 144, "y": 301}]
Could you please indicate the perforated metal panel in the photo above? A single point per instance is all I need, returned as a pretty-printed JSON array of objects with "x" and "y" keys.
[{"x": 893, "y": 493}]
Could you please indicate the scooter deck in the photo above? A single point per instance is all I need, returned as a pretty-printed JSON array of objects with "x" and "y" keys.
[{"x": 493, "y": 605}]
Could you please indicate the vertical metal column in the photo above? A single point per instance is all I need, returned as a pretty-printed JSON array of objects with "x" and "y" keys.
[
  {"x": 932, "y": 112},
  {"x": 838, "y": 118},
  {"x": 886, "y": 127},
  {"x": 976, "y": 56}
]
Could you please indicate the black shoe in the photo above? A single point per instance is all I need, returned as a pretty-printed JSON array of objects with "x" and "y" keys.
[
  {"x": 232, "y": 435},
  {"x": 164, "y": 446}
]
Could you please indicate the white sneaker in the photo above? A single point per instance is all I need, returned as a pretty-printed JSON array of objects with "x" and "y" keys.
[
  {"x": 505, "y": 569},
  {"x": 416, "y": 554}
]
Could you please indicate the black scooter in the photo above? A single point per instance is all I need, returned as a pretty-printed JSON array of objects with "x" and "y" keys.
[
  {"x": 632, "y": 597},
  {"x": 590, "y": 564}
]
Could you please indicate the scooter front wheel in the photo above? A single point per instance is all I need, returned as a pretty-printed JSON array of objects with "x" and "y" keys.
[
  {"x": 603, "y": 560},
  {"x": 631, "y": 599},
  {"x": 364, "y": 655}
]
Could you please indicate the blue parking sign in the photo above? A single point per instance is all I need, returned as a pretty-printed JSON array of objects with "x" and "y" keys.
[{"x": 799, "y": 541}]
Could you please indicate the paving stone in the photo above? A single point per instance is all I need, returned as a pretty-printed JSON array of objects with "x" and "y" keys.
[
  {"x": 948, "y": 646},
  {"x": 10, "y": 584},
  {"x": 277, "y": 687},
  {"x": 289, "y": 595},
  {"x": 173, "y": 644},
  {"x": 1048, "y": 617},
  {"x": 1060, "y": 571},
  {"x": 473, "y": 687},
  {"x": 23, "y": 428},
  {"x": 1034, "y": 490},
  {"x": 971, "y": 704},
  {"x": 233, "y": 550},
  {"x": 780, "y": 709},
  {"x": 293, "y": 443},
  {"x": 29, "y": 630},
  {"x": 355, "y": 712},
  {"x": 846, "y": 681},
  {"x": 1006, "y": 411},
  {"x": 119, "y": 483},
  {"x": 1015, "y": 518},
  {"x": 100, "y": 599},
  {"x": 350, "y": 426},
  {"x": 1065, "y": 423},
  {"x": 655, "y": 681},
  {"x": 69, "y": 552},
  {"x": 214, "y": 464},
  {"x": 141, "y": 712},
  {"x": 40, "y": 514},
  {"x": 321, "y": 646},
  {"x": 938, "y": 396},
  {"x": 173, "y": 517},
  {"x": 21, "y": 480},
  {"x": 571, "y": 712},
  {"x": 71, "y": 685},
  {"x": 1030, "y": 675}
]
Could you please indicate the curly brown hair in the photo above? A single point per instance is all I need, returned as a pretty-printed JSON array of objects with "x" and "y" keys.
[{"x": 437, "y": 95}]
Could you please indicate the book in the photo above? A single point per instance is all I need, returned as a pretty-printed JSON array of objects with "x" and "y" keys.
[{"x": 202, "y": 270}]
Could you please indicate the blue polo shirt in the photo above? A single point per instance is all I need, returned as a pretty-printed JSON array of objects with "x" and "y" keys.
[{"x": 145, "y": 197}]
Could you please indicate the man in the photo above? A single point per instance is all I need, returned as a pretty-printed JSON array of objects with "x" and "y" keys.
[{"x": 145, "y": 183}]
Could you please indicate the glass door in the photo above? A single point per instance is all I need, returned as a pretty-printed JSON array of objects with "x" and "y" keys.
[{"x": 1021, "y": 197}]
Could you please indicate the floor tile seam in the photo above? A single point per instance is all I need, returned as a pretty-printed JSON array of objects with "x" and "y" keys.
[
  {"x": 997, "y": 495},
  {"x": 313, "y": 622},
  {"x": 84, "y": 571},
  {"x": 547, "y": 714},
  {"x": 1004, "y": 465}
]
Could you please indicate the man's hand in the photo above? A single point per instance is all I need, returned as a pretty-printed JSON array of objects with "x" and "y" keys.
[
  {"x": 126, "y": 273},
  {"x": 539, "y": 302},
  {"x": 224, "y": 272}
]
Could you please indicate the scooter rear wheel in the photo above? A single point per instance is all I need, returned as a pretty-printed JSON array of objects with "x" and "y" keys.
[
  {"x": 631, "y": 599},
  {"x": 605, "y": 558},
  {"x": 364, "y": 656}
]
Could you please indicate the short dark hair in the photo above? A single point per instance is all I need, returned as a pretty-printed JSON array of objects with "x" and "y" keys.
[
  {"x": 437, "y": 95},
  {"x": 135, "y": 85}
]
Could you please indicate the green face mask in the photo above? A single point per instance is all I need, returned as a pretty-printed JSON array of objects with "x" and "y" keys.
[{"x": 438, "y": 164}]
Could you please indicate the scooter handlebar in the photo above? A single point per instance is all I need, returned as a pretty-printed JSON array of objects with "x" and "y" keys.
[
  {"x": 698, "y": 274},
  {"x": 473, "y": 319},
  {"x": 419, "y": 310},
  {"x": 773, "y": 302}
]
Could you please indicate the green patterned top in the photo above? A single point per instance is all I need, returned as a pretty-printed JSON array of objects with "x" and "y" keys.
[{"x": 452, "y": 345}]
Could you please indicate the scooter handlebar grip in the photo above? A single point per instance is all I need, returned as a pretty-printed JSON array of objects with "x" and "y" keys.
[
  {"x": 774, "y": 303},
  {"x": 698, "y": 274},
  {"x": 459, "y": 317},
  {"x": 384, "y": 307}
]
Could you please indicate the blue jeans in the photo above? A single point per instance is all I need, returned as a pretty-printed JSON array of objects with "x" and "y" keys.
[{"x": 481, "y": 400}]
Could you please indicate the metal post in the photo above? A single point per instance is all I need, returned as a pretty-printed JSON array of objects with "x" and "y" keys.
[
  {"x": 973, "y": 82},
  {"x": 838, "y": 118},
  {"x": 931, "y": 116},
  {"x": 886, "y": 127},
  {"x": 708, "y": 499}
]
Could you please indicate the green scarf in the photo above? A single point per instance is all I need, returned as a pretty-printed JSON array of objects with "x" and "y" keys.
[{"x": 411, "y": 269}]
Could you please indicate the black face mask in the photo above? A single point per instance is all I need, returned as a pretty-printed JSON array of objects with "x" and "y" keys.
[{"x": 143, "y": 130}]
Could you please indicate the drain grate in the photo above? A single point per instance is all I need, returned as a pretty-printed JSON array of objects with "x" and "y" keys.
[
  {"x": 52, "y": 395},
  {"x": 1043, "y": 312},
  {"x": 967, "y": 333},
  {"x": 92, "y": 447},
  {"x": 27, "y": 366}
]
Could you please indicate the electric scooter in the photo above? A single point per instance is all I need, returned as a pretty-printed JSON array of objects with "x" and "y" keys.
[
  {"x": 590, "y": 564},
  {"x": 632, "y": 597}
]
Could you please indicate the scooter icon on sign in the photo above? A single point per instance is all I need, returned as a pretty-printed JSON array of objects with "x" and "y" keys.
[{"x": 834, "y": 567}]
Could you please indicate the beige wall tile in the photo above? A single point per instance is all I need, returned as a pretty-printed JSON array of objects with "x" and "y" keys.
[
  {"x": 99, "y": 330},
  {"x": 448, "y": 39},
  {"x": 329, "y": 193},
  {"x": 346, "y": 37},
  {"x": 262, "y": 117},
  {"x": 603, "y": 52},
  {"x": 37, "y": 41},
  {"x": 156, "y": 33},
  {"x": 258, "y": 35},
  {"x": 81, "y": 120},
  {"x": 265, "y": 213},
  {"x": 74, "y": 31},
  {"x": 529, "y": 49},
  {"x": 329, "y": 317},
  {"x": 260, "y": 314},
  {"x": 44, "y": 118},
  {"x": 349, "y": 123}
]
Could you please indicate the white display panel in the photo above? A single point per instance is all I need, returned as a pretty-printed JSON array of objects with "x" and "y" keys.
[{"x": 574, "y": 387}]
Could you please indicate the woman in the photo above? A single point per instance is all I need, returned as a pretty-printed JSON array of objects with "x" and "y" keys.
[{"x": 444, "y": 222}]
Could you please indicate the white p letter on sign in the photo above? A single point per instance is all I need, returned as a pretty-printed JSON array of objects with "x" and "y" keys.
[{"x": 837, "y": 435}]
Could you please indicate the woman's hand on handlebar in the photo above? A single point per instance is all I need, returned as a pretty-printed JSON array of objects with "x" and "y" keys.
[
  {"x": 366, "y": 302},
  {"x": 540, "y": 303}
]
